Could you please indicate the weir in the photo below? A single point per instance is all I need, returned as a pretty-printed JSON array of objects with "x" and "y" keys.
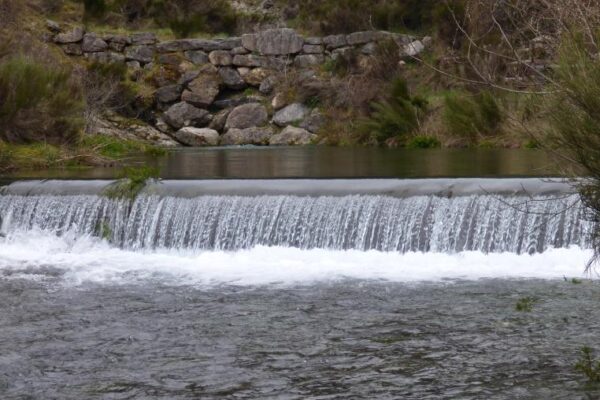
[{"x": 449, "y": 216}]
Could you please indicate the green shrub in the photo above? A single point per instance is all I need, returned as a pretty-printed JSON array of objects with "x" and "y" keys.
[
  {"x": 186, "y": 17},
  {"x": 132, "y": 181},
  {"x": 397, "y": 117},
  {"x": 39, "y": 102},
  {"x": 472, "y": 117},
  {"x": 424, "y": 142}
]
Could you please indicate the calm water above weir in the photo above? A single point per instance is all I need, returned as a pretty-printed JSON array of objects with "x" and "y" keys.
[{"x": 329, "y": 162}]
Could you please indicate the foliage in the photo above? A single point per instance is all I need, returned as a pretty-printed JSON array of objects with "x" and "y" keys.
[
  {"x": 424, "y": 142},
  {"x": 398, "y": 116},
  {"x": 115, "y": 148},
  {"x": 588, "y": 365},
  {"x": 525, "y": 304},
  {"x": 39, "y": 102},
  {"x": 472, "y": 117},
  {"x": 345, "y": 16},
  {"x": 94, "y": 8},
  {"x": 132, "y": 181}
]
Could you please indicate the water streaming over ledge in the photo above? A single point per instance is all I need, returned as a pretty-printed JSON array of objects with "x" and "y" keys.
[{"x": 519, "y": 223}]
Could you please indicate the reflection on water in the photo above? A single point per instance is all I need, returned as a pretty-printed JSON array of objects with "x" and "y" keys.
[{"x": 330, "y": 162}]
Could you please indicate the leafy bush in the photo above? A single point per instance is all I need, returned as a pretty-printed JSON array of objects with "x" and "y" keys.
[
  {"x": 40, "y": 102},
  {"x": 132, "y": 182},
  {"x": 472, "y": 117},
  {"x": 424, "y": 142},
  {"x": 398, "y": 116},
  {"x": 525, "y": 304}
]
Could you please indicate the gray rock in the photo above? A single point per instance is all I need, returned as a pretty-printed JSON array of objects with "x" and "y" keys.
[
  {"x": 309, "y": 60},
  {"x": 279, "y": 101},
  {"x": 335, "y": 41},
  {"x": 281, "y": 41},
  {"x": 219, "y": 120},
  {"x": 358, "y": 38},
  {"x": 93, "y": 44},
  {"x": 220, "y": 58},
  {"x": 75, "y": 36},
  {"x": 188, "y": 76},
  {"x": 52, "y": 26},
  {"x": 197, "y": 57},
  {"x": 250, "y": 136},
  {"x": 162, "y": 126},
  {"x": 343, "y": 52},
  {"x": 267, "y": 85},
  {"x": 413, "y": 49},
  {"x": 198, "y": 44},
  {"x": 171, "y": 59},
  {"x": 369, "y": 49},
  {"x": 184, "y": 114},
  {"x": 231, "y": 78},
  {"x": 249, "y": 60},
  {"x": 247, "y": 116},
  {"x": 106, "y": 57},
  {"x": 256, "y": 76},
  {"x": 197, "y": 136},
  {"x": 117, "y": 42},
  {"x": 313, "y": 49},
  {"x": 133, "y": 65},
  {"x": 295, "y": 112},
  {"x": 292, "y": 136},
  {"x": 143, "y": 54},
  {"x": 72, "y": 49},
  {"x": 203, "y": 90},
  {"x": 234, "y": 102},
  {"x": 249, "y": 42},
  {"x": 314, "y": 122},
  {"x": 143, "y": 38},
  {"x": 427, "y": 41},
  {"x": 313, "y": 40},
  {"x": 169, "y": 94},
  {"x": 239, "y": 51}
]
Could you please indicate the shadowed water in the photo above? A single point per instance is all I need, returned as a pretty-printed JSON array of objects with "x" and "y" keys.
[{"x": 349, "y": 339}]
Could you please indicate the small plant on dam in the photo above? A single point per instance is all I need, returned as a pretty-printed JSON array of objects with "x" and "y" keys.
[
  {"x": 132, "y": 181},
  {"x": 588, "y": 365}
]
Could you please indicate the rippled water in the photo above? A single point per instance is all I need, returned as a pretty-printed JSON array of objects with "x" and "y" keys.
[{"x": 350, "y": 339}]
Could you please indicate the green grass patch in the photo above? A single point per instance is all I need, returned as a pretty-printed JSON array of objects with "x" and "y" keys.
[{"x": 525, "y": 304}]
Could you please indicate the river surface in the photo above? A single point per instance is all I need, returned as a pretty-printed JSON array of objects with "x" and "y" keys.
[
  {"x": 327, "y": 162},
  {"x": 299, "y": 289},
  {"x": 337, "y": 340}
]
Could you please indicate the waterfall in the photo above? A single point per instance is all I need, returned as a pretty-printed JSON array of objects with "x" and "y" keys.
[{"x": 426, "y": 223}]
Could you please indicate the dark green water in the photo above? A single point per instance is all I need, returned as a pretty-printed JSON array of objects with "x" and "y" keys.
[{"x": 327, "y": 162}]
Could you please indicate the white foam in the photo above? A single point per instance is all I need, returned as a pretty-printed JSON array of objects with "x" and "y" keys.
[{"x": 87, "y": 259}]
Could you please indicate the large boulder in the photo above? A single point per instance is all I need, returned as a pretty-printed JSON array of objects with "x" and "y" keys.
[
  {"x": 256, "y": 76},
  {"x": 219, "y": 120},
  {"x": 249, "y": 60},
  {"x": 231, "y": 78},
  {"x": 74, "y": 36},
  {"x": 203, "y": 90},
  {"x": 275, "y": 42},
  {"x": 220, "y": 58},
  {"x": 143, "y": 54},
  {"x": 292, "y": 136},
  {"x": 143, "y": 38},
  {"x": 169, "y": 94},
  {"x": 295, "y": 112},
  {"x": 247, "y": 116},
  {"x": 309, "y": 60},
  {"x": 335, "y": 41},
  {"x": 93, "y": 44},
  {"x": 197, "y": 136},
  {"x": 197, "y": 57},
  {"x": 184, "y": 114},
  {"x": 117, "y": 42},
  {"x": 413, "y": 49},
  {"x": 314, "y": 121},
  {"x": 255, "y": 136}
]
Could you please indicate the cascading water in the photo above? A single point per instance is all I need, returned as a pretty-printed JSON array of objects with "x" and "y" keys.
[{"x": 478, "y": 222}]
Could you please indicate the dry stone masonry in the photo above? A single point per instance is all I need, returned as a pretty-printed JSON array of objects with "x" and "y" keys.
[{"x": 224, "y": 89}]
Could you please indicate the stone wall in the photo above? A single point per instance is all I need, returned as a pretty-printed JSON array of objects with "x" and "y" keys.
[{"x": 204, "y": 103}]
